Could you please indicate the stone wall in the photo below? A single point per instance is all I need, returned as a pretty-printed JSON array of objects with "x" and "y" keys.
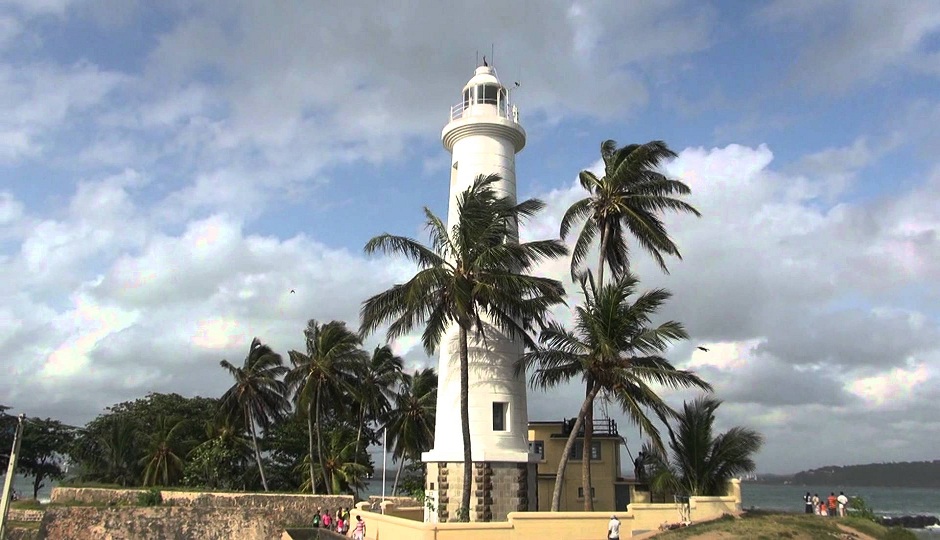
[
  {"x": 497, "y": 489},
  {"x": 159, "y": 522},
  {"x": 292, "y": 509},
  {"x": 16, "y": 514},
  {"x": 112, "y": 514}
]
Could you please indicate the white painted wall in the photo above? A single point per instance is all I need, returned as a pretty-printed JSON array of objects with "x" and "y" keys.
[{"x": 481, "y": 142}]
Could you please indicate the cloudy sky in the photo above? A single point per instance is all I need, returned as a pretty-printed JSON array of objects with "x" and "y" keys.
[{"x": 169, "y": 171}]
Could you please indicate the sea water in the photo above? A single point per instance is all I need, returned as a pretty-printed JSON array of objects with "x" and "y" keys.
[{"x": 885, "y": 501}]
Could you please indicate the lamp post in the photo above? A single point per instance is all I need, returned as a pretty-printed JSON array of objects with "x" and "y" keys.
[{"x": 11, "y": 469}]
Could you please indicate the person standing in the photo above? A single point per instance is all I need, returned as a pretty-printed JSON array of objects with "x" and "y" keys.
[
  {"x": 816, "y": 503},
  {"x": 832, "y": 504},
  {"x": 359, "y": 533},
  {"x": 327, "y": 520},
  {"x": 316, "y": 519},
  {"x": 843, "y": 503},
  {"x": 613, "y": 528},
  {"x": 808, "y": 502}
]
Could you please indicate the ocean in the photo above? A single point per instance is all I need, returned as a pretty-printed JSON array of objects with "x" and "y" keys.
[{"x": 884, "y": 501}]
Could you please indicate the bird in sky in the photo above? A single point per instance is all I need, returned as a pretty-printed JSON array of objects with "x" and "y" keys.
[
  {"x": 292, "y": 291},
  {"x": 702, "y": 349}
]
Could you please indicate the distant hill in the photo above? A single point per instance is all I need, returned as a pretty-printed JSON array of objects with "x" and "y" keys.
[{"x": 919, "y": 474}]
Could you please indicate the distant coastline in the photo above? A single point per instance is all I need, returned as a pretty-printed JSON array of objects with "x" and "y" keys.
[{"x": 907, "y": 474}]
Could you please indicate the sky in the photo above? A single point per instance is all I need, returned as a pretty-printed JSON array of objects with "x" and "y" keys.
[{"x": 169, "y": 171}]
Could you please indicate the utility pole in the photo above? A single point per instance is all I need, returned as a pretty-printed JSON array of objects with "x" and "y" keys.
[{"x": 11, "y": 469}]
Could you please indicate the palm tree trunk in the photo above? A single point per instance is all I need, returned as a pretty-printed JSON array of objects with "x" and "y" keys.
[
  {"x": 559, "y": 476},
  {"x": 401, "y": 465},
  {"x": 362, "y": 417},
  {"x": 586, "y": 483},
  {"x": 465, "y": 425},
  {"x": 586, "y": 454},
  {"x": 254, "y": 441},
  {"x": 313, "y": 479},
  {"x": 326, "y": 479},
  {"x": 601, "y": 259}
]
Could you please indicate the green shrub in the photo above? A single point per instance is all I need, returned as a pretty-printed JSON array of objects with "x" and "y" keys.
[{"x": 151, "y": 497}]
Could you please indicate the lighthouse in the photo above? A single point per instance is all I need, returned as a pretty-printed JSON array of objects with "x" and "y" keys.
[{"x": 483, "y": 136}]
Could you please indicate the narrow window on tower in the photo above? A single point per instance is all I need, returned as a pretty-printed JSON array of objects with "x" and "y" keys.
[{"x": 500, "y": 411}]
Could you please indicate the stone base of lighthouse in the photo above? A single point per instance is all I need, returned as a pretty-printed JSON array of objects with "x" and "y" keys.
[{"x": 497, "y": 488}]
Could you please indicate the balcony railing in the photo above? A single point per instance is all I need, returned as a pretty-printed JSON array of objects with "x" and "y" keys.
[
  {"x": 602, "y": 427},
  {"x": 503, "y": 109}
]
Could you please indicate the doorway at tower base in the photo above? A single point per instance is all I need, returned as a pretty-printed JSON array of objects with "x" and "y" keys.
[{"x": 498, "y": 488}]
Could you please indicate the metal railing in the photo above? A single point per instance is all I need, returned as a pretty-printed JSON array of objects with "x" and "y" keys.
[
  {"x": 502, "y": 107},
  {"x": 602, "y": 427}
]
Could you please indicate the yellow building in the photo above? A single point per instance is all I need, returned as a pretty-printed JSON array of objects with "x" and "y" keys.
[{"x": 611, "y": 490}]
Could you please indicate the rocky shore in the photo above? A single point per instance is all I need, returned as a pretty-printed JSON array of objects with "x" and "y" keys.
[{"x": 909, "y": 522}]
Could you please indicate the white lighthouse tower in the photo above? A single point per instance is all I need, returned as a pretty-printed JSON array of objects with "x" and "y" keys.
[{"x": 483, "y": 136}]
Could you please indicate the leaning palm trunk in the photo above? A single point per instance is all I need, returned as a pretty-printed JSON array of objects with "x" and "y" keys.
[
  {"x": 362, "y": 417},
  {"x": 569, "y": 444},
  {"x": 254, "y": 441},
  {"x": 313, "y": 480},
  {"x": 586, "y": 481},
  {"x": 586, "y": 450},
  {"x": 401, "y": 465},
  {"x": 465, "y": 425}
]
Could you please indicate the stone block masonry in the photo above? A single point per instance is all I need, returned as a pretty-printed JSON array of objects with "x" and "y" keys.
[
  {"x": 112, "y": 514},
  {"x": 496, "y": 489}
]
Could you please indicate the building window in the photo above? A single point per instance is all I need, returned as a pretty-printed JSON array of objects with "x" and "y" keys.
[
  {"x": 581, "y": 492},
  {"x": 538, "y": 448},
  {"x": 577, "y": 451},
  {"x": 500, "y": 411}
]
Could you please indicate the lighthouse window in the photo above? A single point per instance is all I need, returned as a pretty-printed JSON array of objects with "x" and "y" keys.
[
  {"x": 466, "y": 98},
  {"x": 487, "y": 94},
  {"x": 500, "y": 410}
]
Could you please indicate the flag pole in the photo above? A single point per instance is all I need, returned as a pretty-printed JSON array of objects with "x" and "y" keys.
[{"x": 384, "y": 461}]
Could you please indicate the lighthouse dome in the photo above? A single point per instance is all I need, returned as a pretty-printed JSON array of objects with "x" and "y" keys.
[{"x": 484, "y": 89}]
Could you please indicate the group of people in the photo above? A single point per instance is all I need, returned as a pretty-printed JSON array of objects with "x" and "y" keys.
[
  {"x": 340, "y": 523},
  {"x": 831, "y": 506}
]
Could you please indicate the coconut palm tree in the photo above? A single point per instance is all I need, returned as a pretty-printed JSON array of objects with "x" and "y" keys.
[
  {"x": 162, "y": 462},
  {"x": 378, "y": 377},
  {"x": 701, "y": 462},
  {"x": 626, "y": 200},
  {"x": 326, "y": 373},
  {"x": 410, "y": 422},
  {"x": 473, "y": 275},
  {"x": 614, "y": 348},
  {"x": 258, "y": 395}
]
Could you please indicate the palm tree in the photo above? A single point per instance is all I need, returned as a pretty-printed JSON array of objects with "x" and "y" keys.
[
  {"x": 614, "y": 348},
  {"x": 258, "y": 395},
  {"x": 473, "y": 275},
  {"x": 326, "y": 373},
  {"x": 410, "y": 422},
  {"x": 378, "y": 377},
  {"x": 702, "y": 463},
  {"x": 340, "y": 461},
  {"x": 111, "y": 454},
  {"x": 627, "y": 199},
  {"x": 162, "y": 462}
]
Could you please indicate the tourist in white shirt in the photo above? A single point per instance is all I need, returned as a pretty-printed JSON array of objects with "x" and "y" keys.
[
  {"x": 843, "y": 502},
  {"x": 613, "y": 528}
]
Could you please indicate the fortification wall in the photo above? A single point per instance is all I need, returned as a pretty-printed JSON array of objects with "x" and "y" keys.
[{"x": 113, "y": 514}]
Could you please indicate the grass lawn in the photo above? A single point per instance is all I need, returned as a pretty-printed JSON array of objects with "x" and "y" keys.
[{"x": 768, "y": 525}]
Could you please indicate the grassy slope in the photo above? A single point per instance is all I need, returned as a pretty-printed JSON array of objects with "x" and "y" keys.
[{"x": 764, "y": 525}]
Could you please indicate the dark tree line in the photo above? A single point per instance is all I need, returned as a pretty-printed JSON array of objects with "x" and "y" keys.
[{"x": 918, "y": 474}]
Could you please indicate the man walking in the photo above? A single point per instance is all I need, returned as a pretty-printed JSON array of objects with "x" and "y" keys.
[{"x": 613, "y": 528}]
